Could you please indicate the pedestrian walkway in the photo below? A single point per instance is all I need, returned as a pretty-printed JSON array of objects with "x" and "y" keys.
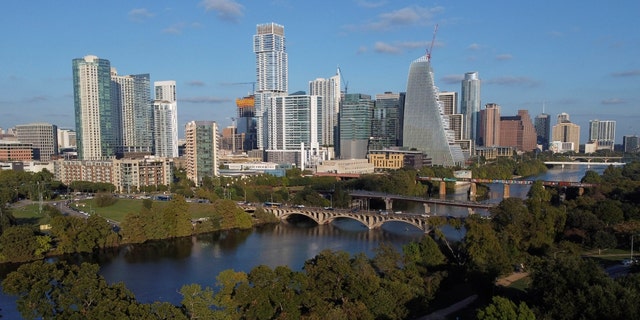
[
  {"x": 443, "y": 313},
  {"x": 508, "y": 280}
]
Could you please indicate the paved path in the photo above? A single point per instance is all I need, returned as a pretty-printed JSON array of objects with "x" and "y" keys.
[
  {"x": 508, "y": 280},
  {"x": 443, "y": 313}
]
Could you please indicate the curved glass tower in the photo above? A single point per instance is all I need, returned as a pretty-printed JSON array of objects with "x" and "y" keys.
[{"x": 425, "y": 126}]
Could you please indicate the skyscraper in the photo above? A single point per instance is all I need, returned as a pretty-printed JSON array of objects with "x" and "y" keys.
[
  {"x": 566, "y": 131},
  {"x": 202, "y": 150},
  {"x": 355, "y": 125},
  {"x": 294, "y": 120},
  {"x": 385, "y": 124},
  {"x": 246, "y": 122},
  {"x": 518, "y": 132},
  {"x": 97, "y": 118},
  {"x": 631, "y": 143},
  {"x": 543, "y": 129},
  {"x": 329, "y": 90},
  {"x": 470, "y": 105},
  {"x": 425, "y": 127},
  {"x": 131, "y": 96},
  {"x": 489, "y": 129},
  {"x": 165, "y": 119},
  {"x": 271, "y": 73},
  {"x": 43, "y": 137},
  {"x": 603, "y": 132}
]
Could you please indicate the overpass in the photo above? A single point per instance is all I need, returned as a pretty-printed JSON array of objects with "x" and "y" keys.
[
  {"x": 370, "y": 219},
  {"x": 388, "y": 200},
  {"x": 589, "y": 164},
  {"x": 505, "y": 182}
]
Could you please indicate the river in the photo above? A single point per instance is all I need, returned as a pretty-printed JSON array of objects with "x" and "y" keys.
[{"x": 156, "y": 271}]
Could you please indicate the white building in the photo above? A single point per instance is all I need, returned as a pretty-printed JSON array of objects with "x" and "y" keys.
[
  {"x": 603, "y": 133},
  {"x": 165, "y": 119},
  {"x": 355, "y": 166},
  {"x": 132, "y": 96},
  {"x": 66, "y": 138},
  {"x": 329, "y": 90}
]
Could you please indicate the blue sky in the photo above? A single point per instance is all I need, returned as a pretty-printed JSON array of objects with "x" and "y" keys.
[{"x": 582, "y": 57}]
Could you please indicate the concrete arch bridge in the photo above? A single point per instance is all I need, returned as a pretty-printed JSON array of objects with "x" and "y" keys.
[{"x": 370, "y": 219}]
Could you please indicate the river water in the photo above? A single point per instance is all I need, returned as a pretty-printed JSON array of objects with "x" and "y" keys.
[{"x": 156, "y": 271}]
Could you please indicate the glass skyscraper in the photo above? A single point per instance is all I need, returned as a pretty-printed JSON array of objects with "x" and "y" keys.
[
  {"x": 356, "y": 112},
  {"x": 470, "y": 105},
  {"x": 97, "y": 118},
  {"x": 165, "y": 119},
  {"x": 385, "y": 124},
  {"x": 543, "y": 130},
  {"x": 131, "y": 96},
  {"x": 329, "y": 90},
  {"x": 271, "y": 73},
  {"x": 603, "y": 132},
  {"x": 425, "y": 126},
  {"x": 201, "y": 152}
]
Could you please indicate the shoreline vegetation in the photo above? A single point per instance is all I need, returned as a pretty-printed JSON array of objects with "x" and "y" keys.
[{"x": 544, "y": 235}]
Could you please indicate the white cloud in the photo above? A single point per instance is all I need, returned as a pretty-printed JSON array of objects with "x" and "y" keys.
[
  {"x": 474, "y": 47},
  {"x": 370, "y": 4},
  {"x": 613, "y": 101},
  {"x": 513, "y": 81},
  {"x": 452, "y": 79},
  {"x": 504, "y": 57},
  {"x": 139, "y": 14},
  {"x": 229, "y": 10},
  {"x": 196, "y": 83},
  {"x": 203, "y": 99},
  {"x": 628, "y": 73},
  {"x": 382, "y": 47},
  {"x": 408, "y": 16}
]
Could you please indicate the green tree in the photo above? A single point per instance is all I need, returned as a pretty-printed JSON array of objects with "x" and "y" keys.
[
  {"x": 20, "y": 244},
  {"x": 484, "y": 250},
  {"x": 504, "y": 309},
  {"x": 198, "y": 302}
]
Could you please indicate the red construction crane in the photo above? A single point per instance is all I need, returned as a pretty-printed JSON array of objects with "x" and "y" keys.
[{"x": 433, "y": 40}]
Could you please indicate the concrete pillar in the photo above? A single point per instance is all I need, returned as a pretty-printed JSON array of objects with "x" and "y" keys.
[
  {"x": 507, "y": 191},
  {"x": 580, "y": 191},
  {"x": 473, "y": 190},
  {"x": 427, "y": 208},
  {"x": 443, "y": 188},
  {"x": 388, "y": 204}
]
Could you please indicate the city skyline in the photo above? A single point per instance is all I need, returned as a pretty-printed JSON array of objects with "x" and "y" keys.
[{"x": 527, "y": 54}]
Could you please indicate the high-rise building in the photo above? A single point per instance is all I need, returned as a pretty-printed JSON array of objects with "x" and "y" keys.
[
  {"x": 66, "y": 138},
  {"x": 518, "y": 132},
  {"x": 294, "y": 120},
  {"x": 489, "y": 129},
  {"x": 131, "y": 96},
  {"x": 566, "y": 132},
  {"x": 97, "y": 118},
  {"x": 329, "y": 90},
  {"x": 201, "y": 150},
  {"x": 449, "y": 101},
  {"x": 246, "y": 122},
  {"x": 385, "y": 124},
  {"x": 425, "y": 127},
  {"x": 631, "y": 143},
  {"x": 543, "y": 130},
  {"x": 165, "y": 119},
  {"x": 470, "y": 105},
  {"x": 43, "y": 137},
  {"x": 603, "y": 132},
  {"x": 355, "y": 125},
  {"x": 271, "y": 73}
]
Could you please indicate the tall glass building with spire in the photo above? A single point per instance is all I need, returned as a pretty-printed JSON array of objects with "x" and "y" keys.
[
  {"x": 425, "y": 126},
  {"x": 271, "y": 73},
  {"x": 470, "y": 105}
]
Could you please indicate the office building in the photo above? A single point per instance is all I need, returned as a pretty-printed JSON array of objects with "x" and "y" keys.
[
  {"x": 603, "y": 134},
  {"x": 165, "y": 90},
  {"x": 201, "y": 152},
  {"x": 42, "y": 136},
  {"x": 66, "y": 139},
  {"x": 15, "y": 151},
  {"x": 470, "y": 105},
  {"x": 518, "y": 132},
  {"x": 271, "y": 73},
  {"x": 631, "y": 144},
  {"x": 449, "y": 100},
  {"x": 131, "y": 95},
  {"x": 566, "y": 131},
  {"x": 329, "y": 90},
  {"x": 97, "y": 118},
  {"x": 246, "y": 122},
  {"x": 425, "y": 127},
  {"x": 385, "y": 124},
  {"x": 354, "y": 124},
  {"x": 489, "y": 128},
  {"x": 542, "y": 125}
]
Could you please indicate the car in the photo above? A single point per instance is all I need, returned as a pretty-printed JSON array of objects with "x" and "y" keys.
[
  {"x": 298, "y": 206},
  {"x": 327, "y": 208},
  {"x": 627, "y": 262}
]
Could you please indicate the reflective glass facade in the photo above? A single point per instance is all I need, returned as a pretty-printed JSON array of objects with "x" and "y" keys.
[{"x": 425, "y": 126}]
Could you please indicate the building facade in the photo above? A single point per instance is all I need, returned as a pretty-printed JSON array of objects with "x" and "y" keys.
[
  {"x": 97, "y": 118},
  {"x": 165, "y": 119},
  {"x": 329, "y": 90},
  {"x": 518, "y": 132},
  {"x": 15, "y": 151},
  {"x": 470, "y": 105},
  {"x": 542, "y": 125},
  {"x": 201, "y": 150},
  {"x": 566, "y": 131},
  {"x": 425, "y": 127},
  {"x": 354, "y": 124},
  {"x": 131, "y": 96},
  {"x": 272, "y": 73},
  {"x": 42, "y": 136},
  {"x": 631, "y": 144},
  {"x": 603, "y": 133},
  {"x": 385, "y": 124},
  {"x": 489, "y": 128}
]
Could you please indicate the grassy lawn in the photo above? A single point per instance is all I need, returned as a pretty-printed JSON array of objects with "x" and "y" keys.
[
  {"x": 29, "y": 214},
  {"x": 521, "y": 284},
  {"x": 118, "y": 210}
]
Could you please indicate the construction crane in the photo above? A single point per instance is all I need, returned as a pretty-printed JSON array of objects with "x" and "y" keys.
[
  {"x": 433, "y": 40},
  {"x": 252, "y": 83}
]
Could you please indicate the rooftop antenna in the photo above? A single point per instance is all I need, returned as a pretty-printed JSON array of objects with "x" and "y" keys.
[{"x": 433, "y": 40}]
